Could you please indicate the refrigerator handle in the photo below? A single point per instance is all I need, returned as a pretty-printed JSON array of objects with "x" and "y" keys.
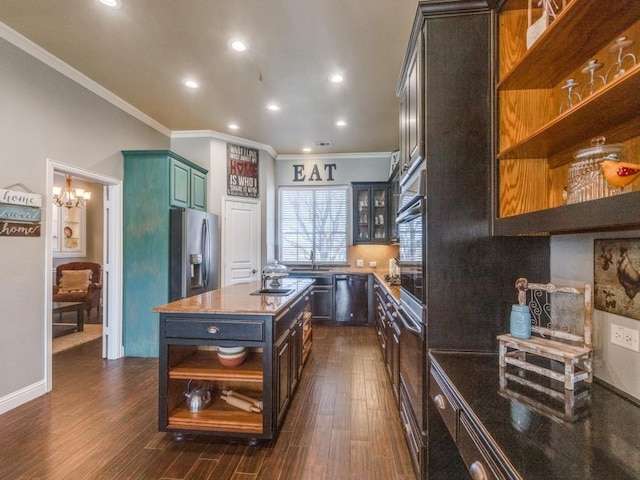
[{"x": 206, "y": 253}]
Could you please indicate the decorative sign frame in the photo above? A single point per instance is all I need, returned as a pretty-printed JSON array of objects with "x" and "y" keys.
[
  {"x": 616, "y": 276},
  {"x": 242, "y": 171},
  {"x": 20, "y": 212}
]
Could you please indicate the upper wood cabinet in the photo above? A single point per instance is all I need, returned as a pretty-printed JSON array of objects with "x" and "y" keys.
[
  {"x": 537, "y": 138},
  {"x": 411, "y": 94},
  {"x": 371, "y": 212}
]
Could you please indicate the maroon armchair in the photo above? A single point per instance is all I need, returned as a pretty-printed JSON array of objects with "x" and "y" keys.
[{"x": 79, "y": 282}]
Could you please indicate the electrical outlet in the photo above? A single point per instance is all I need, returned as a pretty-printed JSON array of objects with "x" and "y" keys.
[
  {"x": 625, "y": 337},
  {"x": 373, "y": 264},
  {"x": 359, "y": 263}
]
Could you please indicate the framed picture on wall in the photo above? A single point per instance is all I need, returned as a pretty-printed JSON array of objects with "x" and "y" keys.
[{"x": 616, "y": 276}]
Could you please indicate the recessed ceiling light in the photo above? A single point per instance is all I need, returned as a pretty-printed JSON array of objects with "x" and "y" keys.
[
  {"x": 341, "y": 123},
  {"x": 233, "y": 126},
  {"x": 111, "y": 3},
  {"x": 191, "y": 83},
  {"x": 273, "y": 107},
  {"x": 336, "y": 78},
  {"x": 306, "y": 149},
  {"x": 238, "y": 45}
]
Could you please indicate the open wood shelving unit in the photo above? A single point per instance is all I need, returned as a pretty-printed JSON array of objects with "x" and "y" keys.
[{"x": 536, "y": 142}]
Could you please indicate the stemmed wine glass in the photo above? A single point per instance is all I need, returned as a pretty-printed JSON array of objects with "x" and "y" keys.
[
  {"x": 618, "y": 47},
  {"x": 592, "y": 85},
  {"x": 572, "y": 96}
]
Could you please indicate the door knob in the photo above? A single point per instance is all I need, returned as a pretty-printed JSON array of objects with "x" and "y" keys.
[{"x": 253, "y": 270}]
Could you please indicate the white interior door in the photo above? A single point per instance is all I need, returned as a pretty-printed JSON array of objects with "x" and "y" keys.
[{"x": 241, "y": 241}]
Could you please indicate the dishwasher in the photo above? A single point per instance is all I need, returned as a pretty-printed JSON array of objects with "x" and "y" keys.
[{"x": 352, "y": 299}]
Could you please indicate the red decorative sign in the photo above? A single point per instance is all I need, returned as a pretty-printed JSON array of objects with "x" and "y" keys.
[{"x": 242, "y": 171}]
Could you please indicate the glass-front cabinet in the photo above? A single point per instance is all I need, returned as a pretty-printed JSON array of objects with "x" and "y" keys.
[
  {"x": 68, "y": 232},
  {"x": 371, "y": 212}
]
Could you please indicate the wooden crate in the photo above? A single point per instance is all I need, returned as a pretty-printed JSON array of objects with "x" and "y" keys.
[{"x": 561, "y": 331}]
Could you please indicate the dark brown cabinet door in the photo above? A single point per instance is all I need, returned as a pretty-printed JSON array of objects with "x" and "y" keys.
[
  {"x": 282, "y": 369},
  {"x": 371, "y": 202}
]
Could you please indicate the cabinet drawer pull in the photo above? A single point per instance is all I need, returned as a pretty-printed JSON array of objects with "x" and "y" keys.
[
  {"x": 213, "y": 329},
  {"x": 439, "y": 401},
  {"x": 388, "y": 305},
  {"x": 477, "y": 471}
]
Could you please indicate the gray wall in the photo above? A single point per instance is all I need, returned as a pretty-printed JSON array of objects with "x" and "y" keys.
[
  {"x": 316, "y": 170},
  {"x": 44, "y": 115},
  {"x": 211, "y": 153},
  {"x": 572, "y": 258}
]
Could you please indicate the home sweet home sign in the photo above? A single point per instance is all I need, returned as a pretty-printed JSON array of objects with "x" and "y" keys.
[{"x": 20, "y": 213}]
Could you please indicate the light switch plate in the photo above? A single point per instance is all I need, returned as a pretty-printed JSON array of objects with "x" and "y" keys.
[
  {"x": 373, "y": 264},
  {"x": 359, "y": 263},
  {"x": 625, "y": 337}
]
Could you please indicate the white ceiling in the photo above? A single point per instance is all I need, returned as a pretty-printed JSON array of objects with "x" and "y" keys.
[{"x": 143, "y": 51}]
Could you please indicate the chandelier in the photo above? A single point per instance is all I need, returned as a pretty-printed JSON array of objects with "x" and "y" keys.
[{"x": 70, "y": 197}]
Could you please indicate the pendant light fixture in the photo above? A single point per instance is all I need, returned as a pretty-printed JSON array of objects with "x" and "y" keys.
[{"x": 70, "y": 197}]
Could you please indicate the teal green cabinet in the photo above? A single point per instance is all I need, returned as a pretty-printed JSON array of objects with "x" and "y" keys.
[
  {"x": 188, "y": 185},
  {"x": 154, "y": 181}
]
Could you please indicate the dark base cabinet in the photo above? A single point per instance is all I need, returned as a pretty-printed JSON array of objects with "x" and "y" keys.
[
  {"x": 322, "y": 300},
  {"x": 270, "y": 373},
  {"x": 385, "y": 322}
]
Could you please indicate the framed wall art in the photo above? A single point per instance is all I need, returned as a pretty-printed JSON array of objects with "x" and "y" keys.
[{"x": 616, "y": 276}]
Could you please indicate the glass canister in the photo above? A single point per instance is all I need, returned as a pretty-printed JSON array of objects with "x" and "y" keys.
[
  {"x": 520, "y": 321},
  {"x": 585, "y": 180}
]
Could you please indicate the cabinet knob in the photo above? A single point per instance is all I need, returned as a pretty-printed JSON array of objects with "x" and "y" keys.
[
  {"x": 213, "y": 329},
  {"x": 394, "y": 314},
  {"x": 477, "y": 471},
  {"x": 388, "y": 305},
  {"x": 439, "y": 401}
]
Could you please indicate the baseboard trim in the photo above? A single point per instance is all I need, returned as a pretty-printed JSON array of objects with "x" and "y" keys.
[{"x": 22, "y": 396}]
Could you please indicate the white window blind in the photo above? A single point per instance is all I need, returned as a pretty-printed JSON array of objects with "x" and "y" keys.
[{"x": 313, "y": 219}]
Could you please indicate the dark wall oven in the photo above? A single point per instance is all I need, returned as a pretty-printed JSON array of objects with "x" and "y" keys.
[{"x": 411, "y": 222}]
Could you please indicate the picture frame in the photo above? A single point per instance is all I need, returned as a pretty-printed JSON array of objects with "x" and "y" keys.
[{"x": 616, "y": 276}]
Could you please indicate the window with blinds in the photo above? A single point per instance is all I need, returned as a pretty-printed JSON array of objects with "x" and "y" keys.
[{"x": 313, "y": 219}]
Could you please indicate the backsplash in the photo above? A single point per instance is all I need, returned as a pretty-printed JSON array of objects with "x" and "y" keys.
[
  {"x": 572, "y": 263},
  {"x": 372, "y": 253}
]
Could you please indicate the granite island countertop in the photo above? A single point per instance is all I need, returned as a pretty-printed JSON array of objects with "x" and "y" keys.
[{"x": 237, "y": 299}]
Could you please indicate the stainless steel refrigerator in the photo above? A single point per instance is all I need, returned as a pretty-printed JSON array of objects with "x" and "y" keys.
[{"x": 193, "y": 252}]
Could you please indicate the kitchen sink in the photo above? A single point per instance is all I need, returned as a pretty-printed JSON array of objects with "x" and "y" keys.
[
  {"x": 309, "y": 269},
  {"x": 273, "y": 291}
]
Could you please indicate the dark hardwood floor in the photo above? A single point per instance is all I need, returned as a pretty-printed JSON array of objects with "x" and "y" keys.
[{"x": 100, "y": 422}]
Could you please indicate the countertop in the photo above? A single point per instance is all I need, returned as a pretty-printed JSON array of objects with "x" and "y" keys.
[
  {"x": 237, "y": 299},
  {"x": 543, "y": 438}
]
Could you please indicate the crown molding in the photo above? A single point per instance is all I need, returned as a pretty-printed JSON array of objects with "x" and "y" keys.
[
  {"x": 26, "y": 45},
  {"x": 224, "y": 137},
  {"x": 334, "y": 156}
]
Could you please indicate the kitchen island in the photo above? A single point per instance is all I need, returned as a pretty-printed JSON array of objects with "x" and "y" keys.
[{"x": 275, "y": 331}]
